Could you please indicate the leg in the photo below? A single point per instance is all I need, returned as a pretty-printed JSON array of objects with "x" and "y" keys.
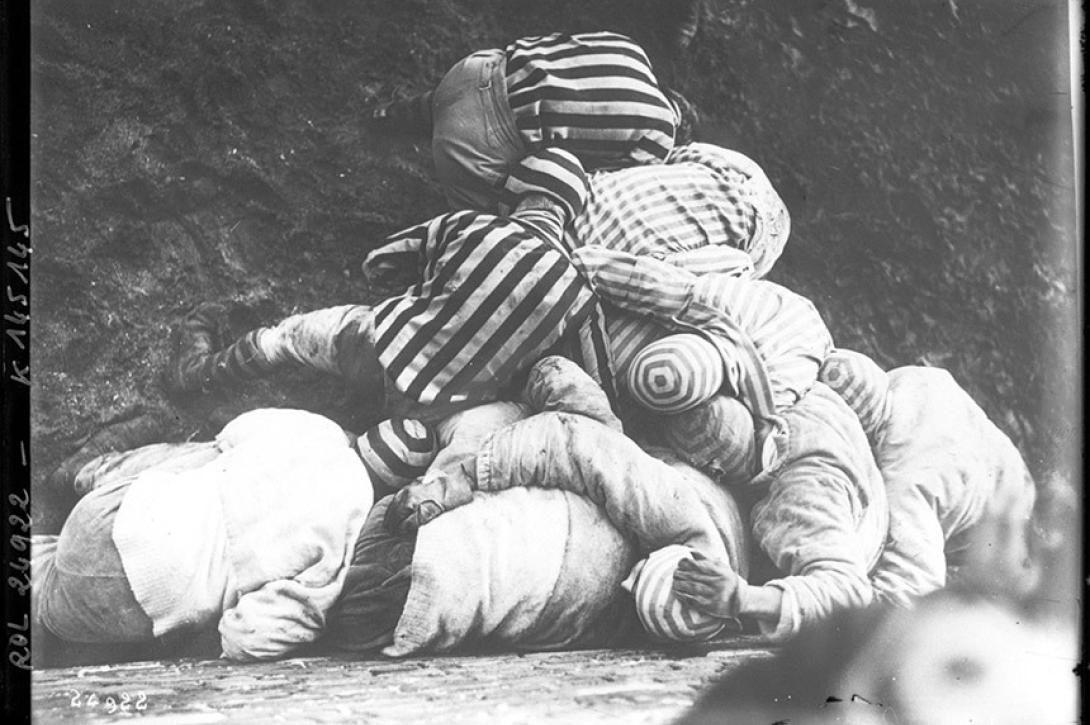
[
  {"x": 83, "y": 595},
  {"x": 375, "y": 588},
  {"x": 474, "y": 139},
  {"x": 120, "y": 436},
  {"x": 337, "y": 340},
  {"x": 642, "y": 496},
  {"x": 862, "y": 384},
  {"x": 162, "y": 456}
]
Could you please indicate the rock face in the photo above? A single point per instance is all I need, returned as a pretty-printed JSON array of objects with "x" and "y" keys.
[{"x": 215, "y": 151}]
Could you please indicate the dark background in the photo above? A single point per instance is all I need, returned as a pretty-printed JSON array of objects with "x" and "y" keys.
[{"x": 190, "y": 151}]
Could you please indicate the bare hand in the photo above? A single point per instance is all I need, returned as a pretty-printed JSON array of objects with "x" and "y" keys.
[{"x": 707, "y": 585}]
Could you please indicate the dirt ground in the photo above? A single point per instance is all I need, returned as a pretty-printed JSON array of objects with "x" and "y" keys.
[
  {"x": 594, "y": 686},
  {"x": 190, "y": 151}
]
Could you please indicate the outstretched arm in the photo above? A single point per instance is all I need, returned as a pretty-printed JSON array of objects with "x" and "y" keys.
[{"x": 714, "y": 259}]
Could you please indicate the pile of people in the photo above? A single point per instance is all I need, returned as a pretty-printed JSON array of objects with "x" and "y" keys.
[{"x": 596, "y": 406}]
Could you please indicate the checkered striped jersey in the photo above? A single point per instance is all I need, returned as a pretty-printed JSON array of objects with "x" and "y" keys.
[
  {"x": 772, "y": 340},
  {"x": 593, "y": 94},
  {"x": 705, "y": 203},
  {"x": 494, "y": 295}
]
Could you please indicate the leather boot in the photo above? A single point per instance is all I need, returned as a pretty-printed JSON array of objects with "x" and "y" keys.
[
  {"x": 123, "y": 435},
  {"x": 198, "y": 366}
]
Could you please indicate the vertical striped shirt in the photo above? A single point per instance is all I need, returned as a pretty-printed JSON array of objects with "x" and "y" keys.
[
  {"x": 705, "y": 203},
  {"x": 493, "y": 298},
  {"x": 593, "y": 94},
  {"x": 772, "y": 340},
  {"x": 493, "y": 295}
]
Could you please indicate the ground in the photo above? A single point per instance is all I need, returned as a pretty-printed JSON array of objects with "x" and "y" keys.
[
  {"x": 190, "y": 151},
  {"x": 594, "y": 686}
]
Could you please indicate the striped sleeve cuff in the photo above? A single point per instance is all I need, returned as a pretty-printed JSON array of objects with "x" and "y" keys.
[{"x": 552, "y": 172}]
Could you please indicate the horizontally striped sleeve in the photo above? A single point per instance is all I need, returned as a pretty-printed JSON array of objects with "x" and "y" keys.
[
  {"x": 640, "y": 284},
  {"x": 714, "y": 259},
  {"x": 554, "y": 173}
]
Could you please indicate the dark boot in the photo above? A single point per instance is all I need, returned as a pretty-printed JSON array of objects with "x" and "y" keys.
[
  {"x": 198, "y": 367},
  {"x": 123, "y": 435},
  {"x": 194, "y": 342}
]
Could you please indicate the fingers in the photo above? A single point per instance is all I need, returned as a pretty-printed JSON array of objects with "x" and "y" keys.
[
  {"x": 699, "y": 578},
  {"x": 695, "y": 589},
  {"x": 703, "y": 568}
]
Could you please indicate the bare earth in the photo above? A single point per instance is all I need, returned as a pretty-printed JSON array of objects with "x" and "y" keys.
[{"x": 595, "y": 686}]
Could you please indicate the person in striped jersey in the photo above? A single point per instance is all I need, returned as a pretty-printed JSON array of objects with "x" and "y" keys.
[
  {"x": 492, "y": 294},
  {"x": 707, "y": 353},
  {"x": 706, "y": 209},
  {"x": 593, "y": 94}
]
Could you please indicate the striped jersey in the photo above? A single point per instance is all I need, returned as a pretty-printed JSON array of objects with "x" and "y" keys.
[
  {"x": 772, "y": 340},
  {"x": 704, "y": 198},
  {"x": 593, "y": 94},
  {"x": 495, "y": 295}
]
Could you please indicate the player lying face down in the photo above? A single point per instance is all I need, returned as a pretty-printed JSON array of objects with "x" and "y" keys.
[{"x": 253, "y": 532}]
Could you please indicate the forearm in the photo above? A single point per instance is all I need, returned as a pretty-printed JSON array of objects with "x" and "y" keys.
[
  {"x": 643, "y": 285},
  {"x": 812, "y": 527},
  {"x": 760, "y": 602},
  {"x": 913, "y": 562},
  {"x": 713, "y": 259}
]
